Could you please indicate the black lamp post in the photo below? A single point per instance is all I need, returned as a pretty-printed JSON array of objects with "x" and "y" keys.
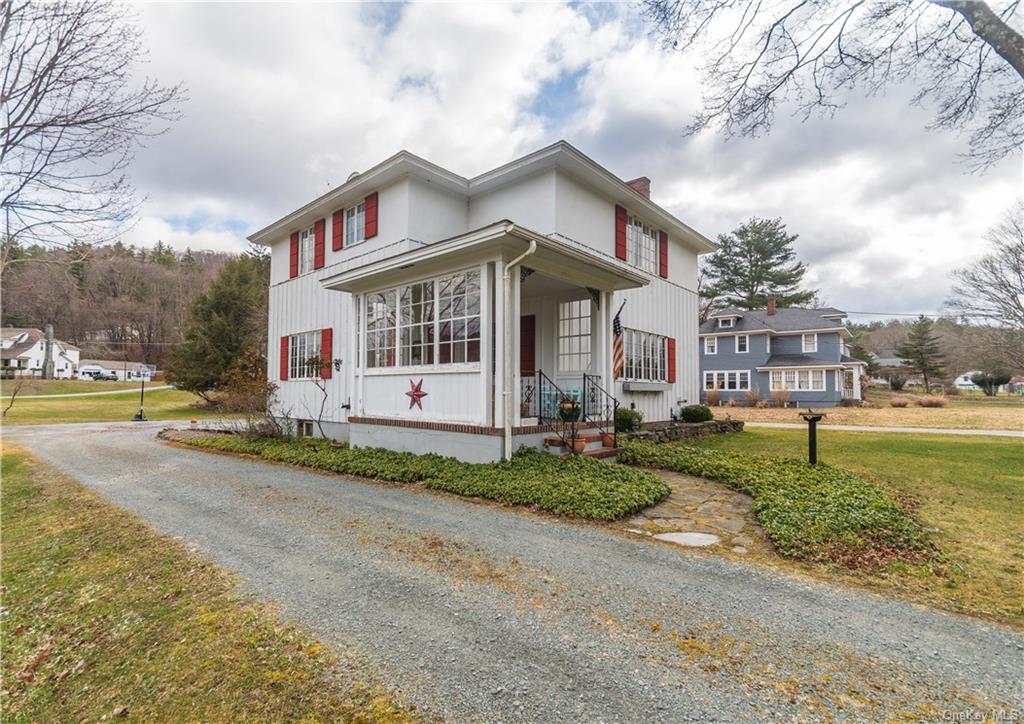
[
  {"x": 812, "y": 419},
  {"x": 140, "y": 416}
]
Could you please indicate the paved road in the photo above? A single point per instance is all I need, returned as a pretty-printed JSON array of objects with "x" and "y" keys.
[
  {"x": 136, "y": 390},
  {"x": 476, "y": 612},
  {"x": 882, "y": 428}
]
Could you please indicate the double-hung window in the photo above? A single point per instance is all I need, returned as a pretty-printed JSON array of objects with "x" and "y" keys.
[
  {"x": 307, "y": 239},
  {"x": 574, "y": 336},
  {"x": 645, "y": 356},
  {"x": 304, "y": 355},
  {"x": 641, "y": 245},
  {"x": 738, "y": 380},
  {"x": 355, "y": 224},
  {"x": 809, "y": 342},
  {"x": 430, "y": 322},
  {"x": 798, "y": 380},
  {"x": 726, "y": 323},
  {"x": 711, "y": 345},
  {"x": 742, "y": 343}
]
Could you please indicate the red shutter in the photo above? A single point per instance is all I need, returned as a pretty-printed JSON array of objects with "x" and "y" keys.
[
  {"x": 671, "y": 368},
  {"x": 337, "y": 230},
  {"x": 318, "y": 244},
  {"x": 371, "y": 215},
  {"x": 326, "y": 352},
  {"x": 663, "y": 254},
  {"x": 284, "y": 358},
  {"x": 620, "y": 232},
  {"x": 293, "y": 256}
]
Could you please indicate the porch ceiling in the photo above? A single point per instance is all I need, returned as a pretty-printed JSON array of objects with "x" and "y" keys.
[{"x": 502, "y": 241}]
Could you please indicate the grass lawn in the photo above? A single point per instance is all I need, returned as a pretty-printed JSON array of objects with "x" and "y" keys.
[
  {"x": 970, "y": 488},
  {"x": 160, "y": 405},
  {"x": 33, "y": 386},
  {"x": 105, "y": 618}
]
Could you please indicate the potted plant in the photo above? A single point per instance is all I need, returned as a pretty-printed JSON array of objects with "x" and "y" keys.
[
  {"x": 569, "y": 410},
  {"x": 608, "y": 439},
  {"x": 578, "y": 445}
]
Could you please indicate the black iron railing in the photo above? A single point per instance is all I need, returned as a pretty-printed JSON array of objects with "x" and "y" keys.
[
  {"x": 556, "y": 411},
  {"x": 599, "y": 407}
]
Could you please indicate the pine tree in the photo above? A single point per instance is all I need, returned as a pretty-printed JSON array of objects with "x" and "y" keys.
[
  {"x": 921, "y": 350},
  {"x": 858, "y": 351},
  {"x": 755, "y": 263}
]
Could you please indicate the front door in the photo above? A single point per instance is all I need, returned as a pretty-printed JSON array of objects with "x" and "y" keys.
[{"x": 527, "y": 344}]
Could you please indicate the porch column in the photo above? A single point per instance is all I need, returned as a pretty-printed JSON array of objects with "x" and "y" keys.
[
  {"x": 499, "y": 344},
  {"x": 605, "y": 367},
  {"x": 513, "y": 339},
  {"x": 856, "y": 382}
]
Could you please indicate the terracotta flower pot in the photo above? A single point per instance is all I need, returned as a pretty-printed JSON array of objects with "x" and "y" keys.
[
  {"x": 608, "y": 439},
  {"x": 578, "y": 445}
]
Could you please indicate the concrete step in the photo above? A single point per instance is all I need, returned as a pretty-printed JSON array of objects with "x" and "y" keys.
[
  {"x": 555, "y": 441},
  {"x": 599, "y": 453}
]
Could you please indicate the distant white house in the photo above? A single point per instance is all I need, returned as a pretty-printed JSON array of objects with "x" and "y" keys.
[
  {"x": 125, "y": 371},
  {"x": 964, "y": 382},
  {"x": 23, "y": 354}
]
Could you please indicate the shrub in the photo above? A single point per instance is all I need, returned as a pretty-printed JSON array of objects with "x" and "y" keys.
[
  {"x": 951, "y": 391},
  {"x": 899, "y": 402},
  {"x": 931, "y": 401},
  {"x": 578, "y": 486},
  {"x": 819, "y": 512},
  {"x": 628, "y": 420},
  {"x": 712, "y": 396},
  {"x": 780, "y": 398},
  {"x": 695, "y": 413},
  {"x": 753, "y": 396}
]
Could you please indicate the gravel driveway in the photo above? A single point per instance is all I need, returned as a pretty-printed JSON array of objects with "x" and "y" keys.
[{"x": 475, "y": 612}]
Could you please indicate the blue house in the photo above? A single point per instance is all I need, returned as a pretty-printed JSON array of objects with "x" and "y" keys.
[{"x": 796, "y": 357}]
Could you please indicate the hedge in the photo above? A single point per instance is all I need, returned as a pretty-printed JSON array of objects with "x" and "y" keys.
[
  {"x": 578, "y": 486},
  {"x": 820, "y": 512}
]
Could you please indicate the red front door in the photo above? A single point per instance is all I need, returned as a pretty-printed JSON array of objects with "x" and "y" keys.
[{"x": 527, "y": 344}]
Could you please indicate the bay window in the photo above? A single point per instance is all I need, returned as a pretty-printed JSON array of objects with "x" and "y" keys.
[
  {"x": 644, "y": 356},
  {"x": 302, "y": 349},
  {"x": 574, "y": 336},
  {"x": 641, "y": 245},
  {"x": 798, "y": 380},
  {"x": 430, "y": 322},
  {"x": 727, "y": 380}
]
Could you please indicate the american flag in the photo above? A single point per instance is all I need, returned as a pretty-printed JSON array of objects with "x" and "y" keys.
[{"x": 618, "y": 358}]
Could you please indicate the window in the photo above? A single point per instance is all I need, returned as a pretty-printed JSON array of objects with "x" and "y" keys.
[
  {"x": 304, "y": 428},
  {"x": 711, "y": 345},
  {"x": 644, "y": 356},
  {"x": 574, "y": 336},
  {"x": 436, "y": 321},
  {"x": 729, "y": 380},
  {"x": 302, "y": 347},
  {"x": 641, "y": 245},
  {"x": 355, "y": 225},
  {"x": 726, "y": 323},
  {"x": 810, "y": 342},
  {"x": 742, "y": 343},
  {"x": 798, "y": 380},
  {"x": 306, "y": 241}
]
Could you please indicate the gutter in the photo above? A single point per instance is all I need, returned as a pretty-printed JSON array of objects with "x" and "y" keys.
[{"x": 507, "y": 391}]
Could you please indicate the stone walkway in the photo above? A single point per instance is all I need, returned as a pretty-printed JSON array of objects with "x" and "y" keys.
[{"x": 700, "y": 513}]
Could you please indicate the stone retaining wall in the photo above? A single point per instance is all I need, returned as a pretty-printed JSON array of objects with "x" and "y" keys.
[{"x": 670, "y": 431}]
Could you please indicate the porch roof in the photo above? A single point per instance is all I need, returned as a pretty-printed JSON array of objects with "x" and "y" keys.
[{"x": 560, "y": 257}]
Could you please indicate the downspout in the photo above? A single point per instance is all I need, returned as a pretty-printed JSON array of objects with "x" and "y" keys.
[{"x": 507, "y": 392}]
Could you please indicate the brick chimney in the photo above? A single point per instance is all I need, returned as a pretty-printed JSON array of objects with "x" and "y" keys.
[
  {"x": 641, "y": 185},
  {"x": 771, "y": 306}
]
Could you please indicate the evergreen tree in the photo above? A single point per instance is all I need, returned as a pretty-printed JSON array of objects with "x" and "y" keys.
[
  {"x": 921, "y": 350},
  {"x": 755, "y": 263},
  {"x": 858, "y": 351},
  {"x": 221, "y": 326}
]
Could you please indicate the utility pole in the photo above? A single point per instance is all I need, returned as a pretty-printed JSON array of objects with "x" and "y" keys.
[{"x": 48, "y": 354}]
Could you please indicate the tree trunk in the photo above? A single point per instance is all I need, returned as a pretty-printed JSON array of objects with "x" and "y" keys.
[{"x": 991, "y": 28}]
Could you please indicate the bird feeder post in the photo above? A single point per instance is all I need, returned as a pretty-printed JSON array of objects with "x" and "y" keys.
[{"x": 812, "y": 419}]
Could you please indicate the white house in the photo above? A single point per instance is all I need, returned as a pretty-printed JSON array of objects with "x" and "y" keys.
[
  {"x": 23, "y": 354},
  {"x": 452, "y": 315},
  {"x": 125, "y": 371}
]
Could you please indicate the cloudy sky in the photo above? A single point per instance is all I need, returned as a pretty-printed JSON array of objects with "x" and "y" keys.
[{"x": 286, "y": 100}]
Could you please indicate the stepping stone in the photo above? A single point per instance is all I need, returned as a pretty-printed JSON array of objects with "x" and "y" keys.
[
  {"x": 698, "y": 540},
  {"x": 733, "y": 525},
  {"x": 739, "y": 549},
  {"x": 743, "y": 540}
]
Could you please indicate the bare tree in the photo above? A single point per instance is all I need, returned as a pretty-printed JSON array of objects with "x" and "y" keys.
[
  {"x": 74, "y": 115},
  {"x": 992, "y": 289},
  {"x": 966, "y": 59}
]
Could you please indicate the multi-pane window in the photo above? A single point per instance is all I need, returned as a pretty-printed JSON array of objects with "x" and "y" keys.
[
  {"x": 641, "y": 245},
  {"x": 810, "y": 342},
  {"x": 734, "y": 380},
  {"x": 798, "y": 380},
  {"x": 381, "y": 321},
  {"x": 304, "y": 355},
  {"x": 306, "y": 241},
  {"x": 742, "y": 343},
  {"x": 711, "y": 345},
  {"x": 725, "y": 323},
  {"x": 574, "y": 336},
  {"x": 417, "y": 323},
  {"x": 436, "y": 321},
  {"x": 355, "y": 224},
  {"x": 644, "y": 355}
]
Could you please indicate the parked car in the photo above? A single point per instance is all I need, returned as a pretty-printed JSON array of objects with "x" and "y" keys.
[{"x": 105, "y": 376}]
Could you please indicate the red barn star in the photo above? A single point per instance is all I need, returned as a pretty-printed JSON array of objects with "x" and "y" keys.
[{"x": 416, "y": 394}]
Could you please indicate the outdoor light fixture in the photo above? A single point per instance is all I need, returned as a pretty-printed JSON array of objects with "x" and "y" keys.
[{"x": 812, "y": 419}]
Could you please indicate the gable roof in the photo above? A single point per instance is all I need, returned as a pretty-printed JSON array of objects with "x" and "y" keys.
[
  {"x": 561, "y": 154},
  {"x": 785, "y": 319},
  {"x": 31, "y": 339}
]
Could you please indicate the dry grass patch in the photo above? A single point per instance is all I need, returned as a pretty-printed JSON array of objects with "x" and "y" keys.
[{"x": 104, "y": 618}]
